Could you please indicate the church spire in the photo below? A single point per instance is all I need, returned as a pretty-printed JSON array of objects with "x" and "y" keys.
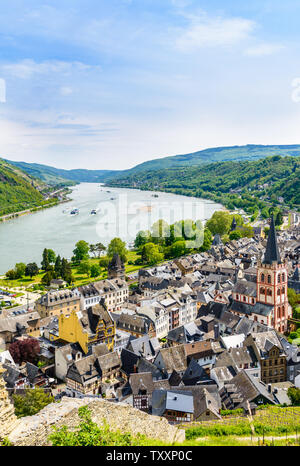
[{"x": 272, "y": 252}]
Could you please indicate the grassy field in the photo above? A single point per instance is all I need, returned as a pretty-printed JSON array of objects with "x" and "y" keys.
[
  {"x": 79, "y": 278},
  {"x": 272, "y": 425}
]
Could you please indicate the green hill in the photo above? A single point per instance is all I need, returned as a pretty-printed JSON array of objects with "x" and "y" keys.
[
  {"x": 251, "y": 185},
  {"x": 52, "y": 175},
  {"x": 18, "y": 191}
]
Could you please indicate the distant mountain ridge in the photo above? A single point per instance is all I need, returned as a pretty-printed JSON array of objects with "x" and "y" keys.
[{"x": 250, "y": 152}]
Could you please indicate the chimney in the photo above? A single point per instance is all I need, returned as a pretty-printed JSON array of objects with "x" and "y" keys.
[
  {"x": 216, "y": 331},
  {"x": 269, "y": 388}
]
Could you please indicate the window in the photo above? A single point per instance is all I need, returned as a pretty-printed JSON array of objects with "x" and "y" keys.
[
  {"x": 262, "y": 277},
  {"x": 269, "y": 278}
]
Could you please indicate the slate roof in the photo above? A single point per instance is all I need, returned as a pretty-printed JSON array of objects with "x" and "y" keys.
[
  {"x": 174, "y": 358},
  {"x": 248, "y": 309},
  {"x": 163, "y": 400},
  {"x": 141, "y": 381},
  {"x": 244, "y": 287},
  {"x": 272, "y": 252}
]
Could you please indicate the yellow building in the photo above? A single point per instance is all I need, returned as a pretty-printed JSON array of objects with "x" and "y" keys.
[{"x": 88, "y": 327}]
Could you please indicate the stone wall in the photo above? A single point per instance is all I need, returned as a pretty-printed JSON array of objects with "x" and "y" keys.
[
  {"x": 8, "y": 420},
  {"x": 35, "y": 430}
]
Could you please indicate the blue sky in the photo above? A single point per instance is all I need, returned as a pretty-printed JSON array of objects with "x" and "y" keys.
[{"x": 108, "y": 84}]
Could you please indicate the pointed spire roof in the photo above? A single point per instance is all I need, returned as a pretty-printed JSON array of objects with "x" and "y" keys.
[
  {"x": 234, "y": 224},
  {"x": 272, "y": 251}
]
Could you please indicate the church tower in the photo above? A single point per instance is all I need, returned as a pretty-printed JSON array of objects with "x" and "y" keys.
[{"x": 272, "y": 283}]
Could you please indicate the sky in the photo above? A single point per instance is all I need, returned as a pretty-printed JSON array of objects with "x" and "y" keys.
[{"x": 108, "y": 84}]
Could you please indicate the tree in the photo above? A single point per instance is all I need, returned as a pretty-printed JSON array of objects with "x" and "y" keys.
[
  {"x": 178, "y": 249},
  {"x": 97, "y": 249},
  {"x": 117, "y": 246},
  {"x": 34, "y": 400},
  {"x": 207, "y": 240},
  {"x": 45, "y": 260},
  {"x": 160, "y": 230},
  {"x": 151, "y": 254},
  {"x": 57, "y": 266},
  {"x": 142, "y": 238},
  {"x": 220, "y": 223},
  {"x": 20, "y": 269},
  {"x": 84, "y": 268},
  {"x": 294, "y": 395},
  {"x": 66, "y": 271},
  {"x": 11, "y": 274},
  {"x": 279, "y": 219},
  {"x": 81, "y": 251},
  {"x": 51, "y": 256},
  {"x": 95, "y": 271},
  {"x": 47, "y": 278},
  {"x": 234, "y": 235},
  {"x": 25, "y": 350},
  {"x": 31, "y": 270}
]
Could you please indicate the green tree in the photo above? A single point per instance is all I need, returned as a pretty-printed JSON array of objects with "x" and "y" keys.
[
  {"x": 45, "y": 261},
  {"x": 294, "y": 395},
  {"x": 160, "y": 230},
  {"x": 207, "y": 240},
  {"x": 95, "y": 271},
  {"x": 11, "y": 274},
  {"x": 234, "y": 235},
  {"x": 84, "y": 268},
  {"x": 31, "y": 270},
  {"x": 51, "y": 256},
  {"x": 142, "y": 238},
  {"x": 81, "y": 251},
  {"x": 178, "y": 249},
  {"x": 57, "y": 266},
  {"x": 66, "y": 271},
  {"x": 117, "y": 246},
  {"x": 151, "y": 254},
  {"x": 220, "y": 223},
  {"x": 32, "y": 402},
  {"x": 47, "y": 278},
  {"x": 20, "y": 269},
  {"x": 279, "y": 219}
]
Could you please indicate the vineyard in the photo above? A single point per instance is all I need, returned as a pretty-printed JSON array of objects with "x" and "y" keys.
[{"x": 269, "y": 421}]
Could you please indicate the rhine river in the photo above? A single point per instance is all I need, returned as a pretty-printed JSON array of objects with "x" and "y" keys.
[{"x": 120, "y": 212}]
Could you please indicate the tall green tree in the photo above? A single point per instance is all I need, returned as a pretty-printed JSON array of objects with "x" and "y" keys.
[
  {"x": 31, "y": 270},
  {"x": 81, "y": 251},
  {"x": 117, "y": 246}
]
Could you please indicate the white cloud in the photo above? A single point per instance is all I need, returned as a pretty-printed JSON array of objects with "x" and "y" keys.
[
  {"x": 25, "y": 69},
  {"x": 204, "y": 31},
  {"x": 66, "y": 90},
  {"x": 261, "y": 50}
]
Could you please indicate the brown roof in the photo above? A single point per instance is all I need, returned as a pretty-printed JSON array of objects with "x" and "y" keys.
[{"x": 198, "y": 349}]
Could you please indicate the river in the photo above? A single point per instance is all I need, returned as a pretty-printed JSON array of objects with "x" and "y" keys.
[{"x": 120, "y": 212}]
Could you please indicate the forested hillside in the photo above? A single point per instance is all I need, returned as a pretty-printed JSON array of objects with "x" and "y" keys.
[
  {"x": 17, "y": 190},
  {"x": 251, "y": 184}
]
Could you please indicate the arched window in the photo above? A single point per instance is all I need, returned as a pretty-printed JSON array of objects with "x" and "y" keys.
[
  {"x": 279, "y": 313},
  {"x": 262, "y": 290},
  {"x": 262, "y": 277},
  {"x": 269, "y": 278},
  {"x": 278, "y": 278},
  {"x": 283, "y": 277},
  {"x": 278, "y": 292},
  {"x": 269, "y": 292},
  {"x": 282, "y": 290}
]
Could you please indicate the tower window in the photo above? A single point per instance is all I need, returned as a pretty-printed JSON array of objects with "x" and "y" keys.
[
  {"x": 262, "y": 277},
  {"x": 262, "y": 290},
  {"x": 269, "y": 278}
]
